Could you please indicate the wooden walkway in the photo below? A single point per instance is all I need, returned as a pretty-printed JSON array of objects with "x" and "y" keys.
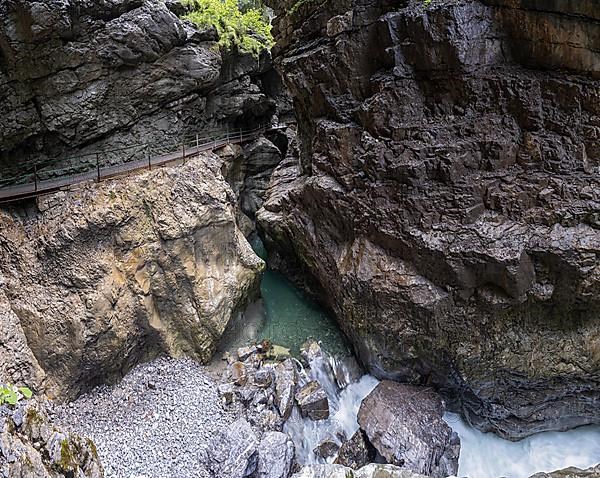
[{"x": 36, "y": 187}]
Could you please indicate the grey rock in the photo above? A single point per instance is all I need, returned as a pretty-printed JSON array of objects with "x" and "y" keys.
[
  {"x": 286, "y": 378},
  {"x": 234, "y": 453},
  {"x": 369, "y": 471},
  {"x": 313, "y": 401},
  {"x": 404, "y": 423},
  {"x": 356, "y": 452},
  {"x": 263, "y": 378},
  {"x": 245, "y": 352},
  {"x": 326, "y": 448},
  {"x": 226, "y": 392},
  {"x": 571, "y": 472},
  {"x": 275, "y": 456}
]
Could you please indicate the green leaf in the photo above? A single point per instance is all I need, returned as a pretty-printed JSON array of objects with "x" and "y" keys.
[
  {"x": 26, "y": 392},
  {"x": 11, "y": 398}
]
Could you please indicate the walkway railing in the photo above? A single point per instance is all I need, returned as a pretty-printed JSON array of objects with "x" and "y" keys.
[{"x": 105, "y": 164}]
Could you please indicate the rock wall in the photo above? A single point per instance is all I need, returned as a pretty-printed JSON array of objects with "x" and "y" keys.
[
  {"x": 445, "y": 195},
  {"x": 96, "y": 279},
  {"x": 85, "y": 76}
]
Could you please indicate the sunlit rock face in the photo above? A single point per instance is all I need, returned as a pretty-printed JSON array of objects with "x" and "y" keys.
[
  {"x": 97, "y": 279},
  {"x": 82, "y": 76},
  {"x": 445, "y": 196}
]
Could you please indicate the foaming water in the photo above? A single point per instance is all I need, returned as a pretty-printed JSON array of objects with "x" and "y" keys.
[
  {"x": 345, "y": 395},
  {"x": 485, "y": 455}
]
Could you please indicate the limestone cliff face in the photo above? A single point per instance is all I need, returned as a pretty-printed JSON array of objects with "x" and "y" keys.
[
  {"x": 81, "y": 76},
  {"x": 96, "y": 279},
  {"x": 445, "y": 195}
]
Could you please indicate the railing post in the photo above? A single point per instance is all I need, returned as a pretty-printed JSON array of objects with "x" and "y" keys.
[
  {"x": 98, "y": 165},
  {"x": 35, "y": 177},
  {"x": 240, "y": 135},
  {"x": 149, "y": 159},
  {"x": 227, "y": 139},
  {"x": 183, "y": 150},
  {"x": 197, "y": 143}
]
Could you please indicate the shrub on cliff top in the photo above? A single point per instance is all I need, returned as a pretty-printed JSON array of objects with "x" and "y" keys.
[{"x": 249, "y": 31}]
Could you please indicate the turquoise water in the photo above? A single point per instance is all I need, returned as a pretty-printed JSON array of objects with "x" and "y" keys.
[{"x": 290, "y": 318}]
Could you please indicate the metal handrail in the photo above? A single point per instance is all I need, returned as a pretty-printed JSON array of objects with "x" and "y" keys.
[{"x": 139, "y": 155}]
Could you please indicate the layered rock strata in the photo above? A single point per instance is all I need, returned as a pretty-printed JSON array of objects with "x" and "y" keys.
[{"x": 446, "y": 196}]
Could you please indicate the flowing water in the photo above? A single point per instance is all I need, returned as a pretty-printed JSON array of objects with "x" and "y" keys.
[{"x": 288, "y": 319}]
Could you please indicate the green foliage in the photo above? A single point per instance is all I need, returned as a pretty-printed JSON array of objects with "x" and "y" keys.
[
  {"x": 11, "y": 395},
  {"x": 249, "y": 30}
]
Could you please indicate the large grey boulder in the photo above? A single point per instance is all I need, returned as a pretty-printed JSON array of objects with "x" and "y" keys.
[
  {"x": 404, "y": 423},
  {"x": 234, "y": 453},
  {"x": 356, "y": 452},
  {"x": 275, "y": 455},
  {"x": 97, "y": 279}
]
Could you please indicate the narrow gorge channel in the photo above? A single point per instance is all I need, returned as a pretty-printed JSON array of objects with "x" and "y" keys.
[{"x": 299, "y": 239}]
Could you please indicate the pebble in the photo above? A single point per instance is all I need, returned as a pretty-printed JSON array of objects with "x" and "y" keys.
[{"x": 157, "y": 431}]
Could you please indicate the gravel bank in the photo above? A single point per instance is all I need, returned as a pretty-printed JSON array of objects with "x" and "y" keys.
[{"x": 156, "y": 423}]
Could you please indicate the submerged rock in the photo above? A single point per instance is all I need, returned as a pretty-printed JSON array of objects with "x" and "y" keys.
[
  {"x": 275, "y": 456},
  {"x": 31, "y": 447},
  {"x": 286, "y": 378},
  {"x": 313, "y": 401},
  {"x": 404, "y": 423},
  {"x": 234, "y": 453}
]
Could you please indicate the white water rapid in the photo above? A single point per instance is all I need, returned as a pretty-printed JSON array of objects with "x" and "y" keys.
[{"x": 482, "y": 455}]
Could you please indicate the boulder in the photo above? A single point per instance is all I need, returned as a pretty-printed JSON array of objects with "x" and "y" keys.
[
  {"x": 263, "y": 377},
  {"x": 404, "y": 423},
  {"x": 31, "y": 446},
  {"x": 109, "y": 274},
  {"x": 239, "y": 373},
  {"x": 244, "y": 352},
  {"x": 369, "y": 471},
  {"x": 356, "y": 452},
  {"x": 326, "y": 448},
  {"x": 310, "y": 351},
  {"x": 234, "y": 453},
  {"x": 313, "y": 401},
  {"x": 572, "y": 472},
  {"x": 275, "y": 455},
  {"x": 286, "y": 378}
]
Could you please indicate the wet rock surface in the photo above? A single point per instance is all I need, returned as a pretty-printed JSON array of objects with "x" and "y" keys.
[
  {"x": 571, "y": 473},
  {"x": 31, "y": 446},
  {"x": 312, "y": 400},
  {"x": 356, "y": 452},
  {"x": 404, "y": 423},
  {"x": 97, "y": 279},
  {"x": 445, "y": 194}
]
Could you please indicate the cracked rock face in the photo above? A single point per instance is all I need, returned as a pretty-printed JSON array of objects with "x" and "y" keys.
[
  {"x": 445, "y": 195},
  {"x": 81, "y": 76},
  {"x": 97, "y": 279}
]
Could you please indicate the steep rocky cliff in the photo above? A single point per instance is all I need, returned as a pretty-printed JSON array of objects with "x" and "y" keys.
[
  {"x": 82, "y": 76},
  {"x": 445, "y": 195},
  {"x": 96, "y": 279}
]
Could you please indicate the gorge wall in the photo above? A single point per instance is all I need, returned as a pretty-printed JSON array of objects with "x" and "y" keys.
[
  {"x": 445, "y": 195},
  {"x": 85, "y": 76},
  {"x": 94, "y": 280}
]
